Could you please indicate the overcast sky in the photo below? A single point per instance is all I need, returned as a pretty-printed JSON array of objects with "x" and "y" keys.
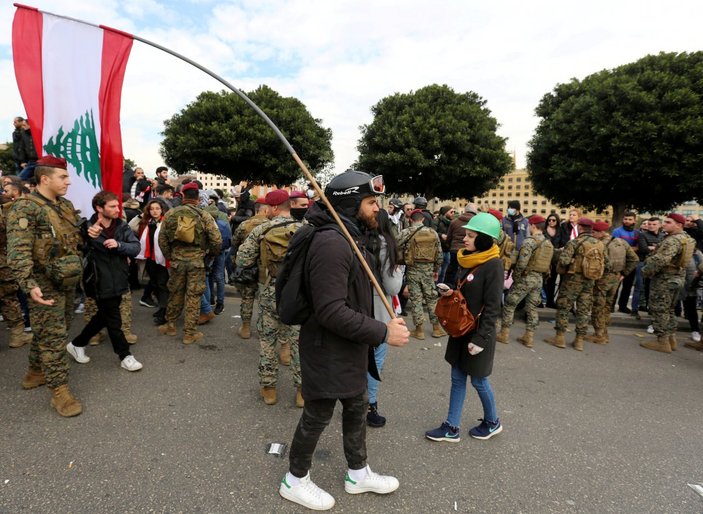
[{"x": 340, "y": 57}]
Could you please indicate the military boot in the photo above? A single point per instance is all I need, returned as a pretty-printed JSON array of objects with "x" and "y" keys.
[
  {"x": 418, "y": 333},
  {"x": 299, "y": 402},
  {"x": 694, "y": 345},
  {"x": 269, "y": 395},
  {"x": 193, "y": 337},
  {"x": 660, "y": 345},
  {"x": 503, "y": 335},
  {"x": 33, "y": 378},
  {"x": 245, "y": 330},
  {"x": 600, "y": 337},
  {"x": 169, "y": 329},
  {"x": 64, "y": 402},
  {"x": 527, "y": 338},
  {"x": 97, "y": 338},
  {"x": 672, "y": 342},
  {"x": 18, "y": 337},
  {"x": 130, "y": 337},
  {"x": 284, "y": 354},
  {"x": 578, "y": 343},
  {"x": 558, "y": 340},
  {"x": 437, "y": 330}
]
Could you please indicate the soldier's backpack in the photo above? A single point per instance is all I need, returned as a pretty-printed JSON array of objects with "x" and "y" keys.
[
  {"x": 688, "y": 246},
  {"x": 274, "y": 245},
  {"x": 541, "y": 259},
  {"x": 188, "y": 225},
  {"x": 421, "y": 247},
  {"x": 617, "y": 255},
  {"x": 592, "y": 259},
  {"x": 507, "y": 252}
]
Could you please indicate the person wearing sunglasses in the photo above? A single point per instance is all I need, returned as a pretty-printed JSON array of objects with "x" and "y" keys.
[{"x": 551, "y": 233}]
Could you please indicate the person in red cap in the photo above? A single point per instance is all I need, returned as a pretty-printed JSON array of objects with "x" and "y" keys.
[
  {"x": 622, "y": 260},
  {"x": 43, "y": 242},
  {"x": 666, "y": 267},
  {"x": 534, "y": 260},
  {"x": 246, "y": 286},
  {"x": 299, "y": 203},
  {"x": 581, "y": 262},
  {"x": 266, "y": 246}
]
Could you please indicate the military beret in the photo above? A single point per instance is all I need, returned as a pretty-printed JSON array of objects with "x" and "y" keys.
[
  {"x": 585, "y": 222},
  {"x": 52, "y": 162},
  {"x": 298, "y": 194},
  {"x": 536, "y": 218},
  {"x": 601, "y": 226},
  {"x": 189, "y": 186},
  {"x": 277, "y": 197},
  {"x": 415, "y": 211},
  {"x": 496, "y": 213},
  {"x": 261, "y": 199},
  {"x": 678, "y": 218}
]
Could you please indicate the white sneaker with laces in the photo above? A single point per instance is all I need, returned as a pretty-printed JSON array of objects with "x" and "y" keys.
[
  {"x": 696, "y": 336},
  {"x": 78, "y": 353},
  {"x": 650, "y": 329},
  {"x": 371, "y": 483},
  {"x": 131, "y": 364},
  {"x": 306, "y": 493}
]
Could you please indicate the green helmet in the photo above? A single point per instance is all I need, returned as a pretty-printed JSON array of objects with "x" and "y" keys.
[{"x": 485, "y": 224}]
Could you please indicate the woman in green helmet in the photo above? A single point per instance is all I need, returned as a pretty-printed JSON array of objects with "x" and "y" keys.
[{"x": 471, "y": 355}]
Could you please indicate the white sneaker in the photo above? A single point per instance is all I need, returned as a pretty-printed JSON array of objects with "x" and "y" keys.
[
  {"x": 78, "y": 353},
  {"x": 307, "y": 494},
  {"x": 80, "y": 309},
  {"x": 131, "y": 364},
  {"x": 27, "y": 329},
  {"x": 696, "y": 336},
  {"x": 371, "y": 483},
  {"x": 650, "y": 329}
]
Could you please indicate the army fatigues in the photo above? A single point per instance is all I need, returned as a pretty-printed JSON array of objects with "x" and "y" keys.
[
  {"x": 9, "y": 304},
  {"x": 271, "y": 331},
  {"x": 528, "y": 278},
  {"x": 419, "y": 276},
  {"x": 574, "y": 286},
  {"x": 666, "y": 266},
  {"x": 32, "y": 244},
  {"x": 248, "y": 291},
  {"x": 186, "y": 283},
  {"x": 605, "y": 288}
]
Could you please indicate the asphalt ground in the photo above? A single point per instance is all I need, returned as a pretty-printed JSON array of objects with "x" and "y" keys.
[{"x": 615, "y": 428}]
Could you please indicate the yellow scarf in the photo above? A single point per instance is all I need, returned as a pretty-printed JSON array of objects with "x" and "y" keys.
[{"x": 471, "y": 260}]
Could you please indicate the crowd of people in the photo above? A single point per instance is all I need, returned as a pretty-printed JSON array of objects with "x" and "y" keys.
[{"x": 181, "y": 245}]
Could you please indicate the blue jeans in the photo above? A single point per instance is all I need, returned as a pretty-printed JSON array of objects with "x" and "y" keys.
[
  {"x": 216, "y": 278},
  {"x": 458, "y": 395},
  {"x": 229, "y": 268},
  {"x": 639, "y": 287},
  {"x": 205, "y": 307},
  {"x": 28, "y": 171},
  {"x": 379, "y": 354}
]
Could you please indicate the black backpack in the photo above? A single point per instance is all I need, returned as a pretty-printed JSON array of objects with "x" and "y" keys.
[{"x": 292, "y": 297}]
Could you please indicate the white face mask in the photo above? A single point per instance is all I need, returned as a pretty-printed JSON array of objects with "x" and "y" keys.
[
  {"x": 310, "y": 193},
  {"x": 511, "y": 212}
]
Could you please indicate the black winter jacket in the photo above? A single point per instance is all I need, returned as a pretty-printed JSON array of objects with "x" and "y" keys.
[
  {"x": 111, "y": 265},
  {"x": 484, "y": 290},
  {"x": 336, "y": 342}
]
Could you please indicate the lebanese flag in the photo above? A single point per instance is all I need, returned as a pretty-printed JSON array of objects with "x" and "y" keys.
[{"x": 70, "y": 77}]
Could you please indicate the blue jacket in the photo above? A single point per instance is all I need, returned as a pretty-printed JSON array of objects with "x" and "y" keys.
[
  {"x": 631, "y": 236},
  {"x": 516, "y": 229}
]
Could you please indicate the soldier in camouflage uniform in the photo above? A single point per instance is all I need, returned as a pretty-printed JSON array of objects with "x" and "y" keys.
[
  {"x": 271, "y": 330},
  {"x": 248, "y": 291},
  {"x": 575, "y": 287},
  {"x": 187, "y": 281},
  {"x": 43, "y": 250},
  {"x": 533, "y": 261},
  {"x": 91, "y": 309},
  {"x": 9, "y": 304},
  {"x": 666, "y": 266},
  {"x": 622, "y": 260},
  {"x": 421, "y": 272}
]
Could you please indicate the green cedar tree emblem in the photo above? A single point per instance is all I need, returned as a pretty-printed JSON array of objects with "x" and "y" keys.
[{"x": 79, "y": 147}]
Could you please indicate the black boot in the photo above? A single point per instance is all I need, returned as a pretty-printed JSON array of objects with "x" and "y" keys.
[
  {"x": 159, "y": 318},
  {"x": 373, "y": 418}
]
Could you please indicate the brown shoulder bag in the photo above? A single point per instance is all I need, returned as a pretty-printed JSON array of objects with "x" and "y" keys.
[{"x": 453, "y": 314}]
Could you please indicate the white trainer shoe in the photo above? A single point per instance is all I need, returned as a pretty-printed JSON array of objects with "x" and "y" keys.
[
  {"x": 650, "y": 329},
  {"x": 371, "y": 483},
  {"x": 307, "y": 494},
  {"x": 78, "y": 353},
  {"x": 131, "y": 364},
  {"x": 696, "y": 336}
]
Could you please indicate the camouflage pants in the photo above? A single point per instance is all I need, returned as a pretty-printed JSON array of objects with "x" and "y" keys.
[
  {"x": 271, "y": 333},
  {"x": 50, "y": 324},
  {"x": 574, "y": 288},
  {"x": 422, "y": 290},
  {"x": 604, "y": 291},
  {"x": 248, "y": 292},
  {"x": 185, "y": 286},
  {"x": 529, "y": 287},
  {"x": 663, "y": 295},
  {"x": 91, "y": 309},
  {"x": 10, "y": 305}
]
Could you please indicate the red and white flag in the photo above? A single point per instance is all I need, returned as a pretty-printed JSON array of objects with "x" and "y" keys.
[{"x": 70, "y": 77}]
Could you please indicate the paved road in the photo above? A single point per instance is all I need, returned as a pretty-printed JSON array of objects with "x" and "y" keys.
[{"x": 613, "y": 429}]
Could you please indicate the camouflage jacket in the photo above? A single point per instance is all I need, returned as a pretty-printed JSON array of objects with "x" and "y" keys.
[
  {"x": 31, "y": 238},
  {"x": 177, "y": 250},
  {"x": 5, "y": 271},
  {"x": 406, "y": 234},
  {"x": 244, "y": 229},
  {"x": 568, "y": 254},
  {"x": 664, "y": 259},
  {"x": 249, "y": 252},
  {"x": 529, "y": 245}
]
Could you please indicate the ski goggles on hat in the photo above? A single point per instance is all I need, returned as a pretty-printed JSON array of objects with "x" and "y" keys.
[{"x": 377, "y": 185}]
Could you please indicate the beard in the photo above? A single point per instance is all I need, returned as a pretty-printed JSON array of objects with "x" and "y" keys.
[{"x": 369, "y": 221}]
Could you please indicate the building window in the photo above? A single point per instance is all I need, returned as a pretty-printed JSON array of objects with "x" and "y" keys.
[
  {"x": 563, "y": 212},
  {"x": 501, "y": 195},
  {"x": 493, "y": 202},
  {"x": 518, "y": 187},
  {"x": 510, "y": 188},
  {"x": 510, "y": 179},
  {"x": 543, "y": 211},
  {"x": 534, "y": 202},
  {"x": 544, "y": 202},
  {"x": 518, "y": 179}
]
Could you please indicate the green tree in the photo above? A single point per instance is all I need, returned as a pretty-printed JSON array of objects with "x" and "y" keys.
[
  {"x": 628, "y": 137},
  {"x": 7, "y": 164},
  {"x": 129, "y": 165},
  {"x": 435, "y": 142},
  {"x": 219, "y": 133}
]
